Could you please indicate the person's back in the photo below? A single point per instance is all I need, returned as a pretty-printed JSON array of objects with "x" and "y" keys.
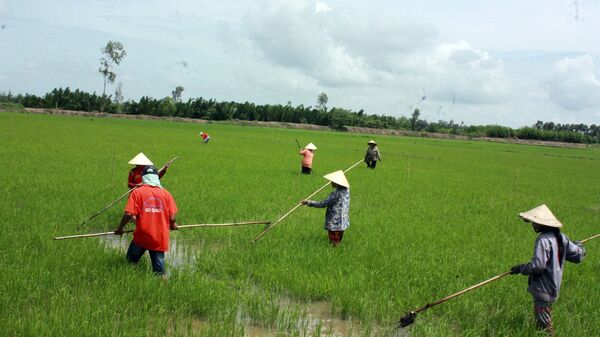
[
  {"x": 545, "y": 270},
  {"x": 153, "y": 207},
  {"x": 307, "y": 157}
]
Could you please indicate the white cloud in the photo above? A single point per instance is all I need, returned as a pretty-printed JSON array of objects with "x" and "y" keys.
[
  {"x": 341, "y": 51},
  {"x": 321, "y": 7},
  {"x": 471, "y": 75},
  {"x": 3, "y": 7},
  {"x": 573, "y": 84}
]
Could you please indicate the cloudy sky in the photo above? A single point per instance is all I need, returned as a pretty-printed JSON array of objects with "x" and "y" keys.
[{"x": 507, "y": 62}]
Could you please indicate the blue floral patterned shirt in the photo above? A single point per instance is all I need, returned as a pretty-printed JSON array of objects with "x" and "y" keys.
[{"x": 338, "y": 209}]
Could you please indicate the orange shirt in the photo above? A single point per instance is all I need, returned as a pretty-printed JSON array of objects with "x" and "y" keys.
[
  {"x": 135, "y": 175},
  {"x": 308, "y": 157},
  {"x": 152, "y": 207}
]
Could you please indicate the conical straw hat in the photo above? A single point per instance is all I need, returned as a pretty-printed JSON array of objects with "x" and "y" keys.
[
  {"x": 338, "y": 177},
  {"x": 372, "y": 142},
  {"x": 310, "y": 146},
  {"x": 140, "y": 159},
  {"x": 541, "y": 215}
]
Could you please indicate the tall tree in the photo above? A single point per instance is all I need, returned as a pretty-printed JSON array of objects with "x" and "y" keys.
[
  {"x": 414, "y": 119},
  {"x": 177, "y": 93},
  {"x": 112, "y": 54},
  {"x": 322, "y": 102}
]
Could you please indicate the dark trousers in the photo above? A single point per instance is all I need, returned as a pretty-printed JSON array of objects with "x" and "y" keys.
[
  {"x": 135, "y": 253},
  {"x": 335, "y": 237},
  {"x": 371, "y": 163},
  {"x": 306, "y": 170}
]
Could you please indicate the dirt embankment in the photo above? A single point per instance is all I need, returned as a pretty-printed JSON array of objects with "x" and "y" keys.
[{"x": 352, "y": 129}]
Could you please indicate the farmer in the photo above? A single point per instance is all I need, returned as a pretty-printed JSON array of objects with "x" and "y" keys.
[
  {"x": 372, "y": 155},
  {"x": 205, "y": 137},
  {"x": 307, "y": 154},
  {"x": 338, "y": 206},
  {"x": 153, "y": 210},
  {"x": 545, "y": 269},
  {"x": 135, "y": 175}
]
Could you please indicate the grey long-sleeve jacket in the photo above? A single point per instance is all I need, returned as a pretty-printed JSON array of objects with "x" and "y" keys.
[
  {"x": 338, "y": 209},
  {"x": 544, "y": 270}
]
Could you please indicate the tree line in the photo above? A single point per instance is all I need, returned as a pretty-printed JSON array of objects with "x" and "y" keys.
[{"x": 336, "y": 118}]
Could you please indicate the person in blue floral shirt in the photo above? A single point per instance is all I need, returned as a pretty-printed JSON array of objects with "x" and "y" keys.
[{"x": 338, "y": 207}]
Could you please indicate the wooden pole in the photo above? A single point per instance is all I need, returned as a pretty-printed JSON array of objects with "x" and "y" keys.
[
  {"x": 298, "y": 205},
  {"x": 80, "y": 236},
  {"x": 121, "y": 197},
  {"x": 410, "y": 317}
]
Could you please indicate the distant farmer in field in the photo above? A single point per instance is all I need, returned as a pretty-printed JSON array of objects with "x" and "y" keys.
[
  {"x": 372, "y": 155},
  {"x": 153, "y": 209},
  {"x": 338, "y": 207},
  {"x": 545, "y": 269},
  {"x": 135, "y": 175},
  {"x": 307, "y": 154},
  {"x": 205, "y": 137}
]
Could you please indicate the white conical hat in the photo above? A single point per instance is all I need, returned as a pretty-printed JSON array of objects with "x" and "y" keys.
[
  {"x": 371, "y": 142},
  {"x": 541, "y": 215},
  {"x": 338, "y": 177},
  {"x": 310, "y": 146},
  {"x": 140, "y": 159}
]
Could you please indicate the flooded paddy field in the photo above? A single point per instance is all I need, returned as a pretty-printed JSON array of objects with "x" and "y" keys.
[{"x": 435, "y": 217}]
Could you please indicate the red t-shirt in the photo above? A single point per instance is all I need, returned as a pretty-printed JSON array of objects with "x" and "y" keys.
[
  {"x": 152, "y": 206},
  {"x": 135, "y": 176}
]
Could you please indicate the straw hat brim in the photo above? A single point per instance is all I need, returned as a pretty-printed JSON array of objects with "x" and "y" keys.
[
  {"x": 310, "y": 146},
  {"x": 338, "y": 177},
  {"x": 541, "y": 215},
  {"x": 140, "y": 159}
]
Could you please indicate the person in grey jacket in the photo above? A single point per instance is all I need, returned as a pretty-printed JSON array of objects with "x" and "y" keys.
[
  {"x": 372, "y": 155},
  {"x": 338, "y": 207},
  {"x": 545, "y": 270}
]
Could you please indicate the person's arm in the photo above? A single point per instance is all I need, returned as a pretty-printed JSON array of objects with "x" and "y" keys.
[
  {"x": 162, "y": 172},
  {"x": 538, "y": 263},
  {"x": 320, "y": 204},
  {"x": 130, "y": 182},
  {"x": 124, "y": 220},
  {"x": 575, "y": 251},
  {"x": 172, "y": 223}
]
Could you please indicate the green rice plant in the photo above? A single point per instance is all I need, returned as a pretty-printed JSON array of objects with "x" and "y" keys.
[{"x": 435, "y": 217}]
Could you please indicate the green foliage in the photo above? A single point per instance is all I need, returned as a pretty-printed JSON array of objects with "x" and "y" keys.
[
  {"x": 435, "y": 217},
  {"x": 336, "y": 118}
]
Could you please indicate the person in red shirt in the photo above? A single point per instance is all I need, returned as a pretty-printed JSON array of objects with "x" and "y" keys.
[
  {"x": 205, "y": 137},
  {"x": 135, "y": 175},
  {"x": 154, "y": 210}
]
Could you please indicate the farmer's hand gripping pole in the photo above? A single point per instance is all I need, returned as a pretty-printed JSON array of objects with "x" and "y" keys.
[
  {"x": 409, "y": 317},
  {"x": 122, "y": 196},
  {"x": 80, "y": 236},
  {"x": 298, "y": 205}
]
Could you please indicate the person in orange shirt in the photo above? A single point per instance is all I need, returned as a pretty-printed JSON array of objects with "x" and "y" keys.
[
  {"x": 135, "y": 174},
  {"x": 153, "y": 209},
  {"x": 307, "y": 154}
]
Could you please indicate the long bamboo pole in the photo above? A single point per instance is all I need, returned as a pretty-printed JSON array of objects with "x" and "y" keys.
[
  {"x": 298, "y": 205},
  {"x": 121, "y": 197},
  {"x": 409, "y": 318},
  {"x": 80, "y": 236}
]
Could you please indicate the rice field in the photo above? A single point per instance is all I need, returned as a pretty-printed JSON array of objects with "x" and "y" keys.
[{"x": 433, "y": 218}]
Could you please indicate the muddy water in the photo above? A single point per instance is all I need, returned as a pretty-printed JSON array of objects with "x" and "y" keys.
[
  {"x": 179, "y": 254},
  {"x": 315, "y": 318}
]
